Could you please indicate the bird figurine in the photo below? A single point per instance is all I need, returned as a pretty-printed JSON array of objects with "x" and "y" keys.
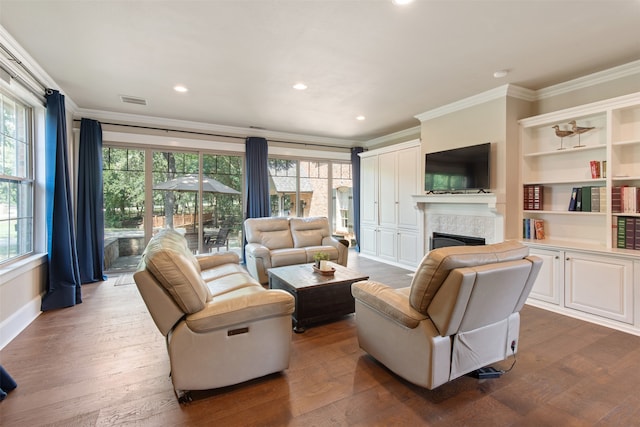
[
  {"x": 561, "y": 134},
  {"x": 578, "y": 130}
]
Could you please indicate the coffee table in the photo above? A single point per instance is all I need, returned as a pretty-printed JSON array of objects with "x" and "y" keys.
[{"x": 318, "y": 297}]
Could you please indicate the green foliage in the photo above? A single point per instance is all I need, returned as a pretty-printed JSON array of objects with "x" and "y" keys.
[{"x": 321, "y": 256}]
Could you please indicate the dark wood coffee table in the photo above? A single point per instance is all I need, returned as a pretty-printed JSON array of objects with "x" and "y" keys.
[{"x": 318, "y": 297}]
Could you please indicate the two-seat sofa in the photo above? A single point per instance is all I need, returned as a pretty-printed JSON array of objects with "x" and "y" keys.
[
  {"x": 279, "y": 241},
  {"x": 222, "y": 327}
]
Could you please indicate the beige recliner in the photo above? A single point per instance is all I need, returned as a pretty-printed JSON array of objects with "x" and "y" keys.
[
  {"x": 222, "y": 327},
  {"x": 461, "y": 312},
  {"x": 277, "y": 241}
]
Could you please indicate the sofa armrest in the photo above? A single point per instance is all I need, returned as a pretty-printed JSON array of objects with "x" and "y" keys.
[
  {"x": 240, "y": 307},
  {"x": 208, "y": 261},
  {"x": 258, "y": 260},
  {"x": 341, "y": 247},
  {"x": 389, "y": 302}
]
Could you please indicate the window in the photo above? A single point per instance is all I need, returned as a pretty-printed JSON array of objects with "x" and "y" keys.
[
  {"x": 305, "y": 188},
  {"x": 16, "y": 179}
]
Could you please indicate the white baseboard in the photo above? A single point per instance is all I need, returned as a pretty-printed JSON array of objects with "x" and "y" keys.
[{"x": 18, "y": 321}]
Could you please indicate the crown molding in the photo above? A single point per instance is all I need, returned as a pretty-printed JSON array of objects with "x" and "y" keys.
[
  {"x": 481, "y": 98},
  {"x": 625, "y": 70},
  {"x": 406, "y": 134}
]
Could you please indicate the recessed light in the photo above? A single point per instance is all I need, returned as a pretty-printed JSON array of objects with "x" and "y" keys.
[
  {"x": 360, "y": 117},
  {"x": 180, "y": 88},
  {"x": 401, "y": 2},
  {"x": 500, "y": 74},
  {"x": 299, "y": 86}
]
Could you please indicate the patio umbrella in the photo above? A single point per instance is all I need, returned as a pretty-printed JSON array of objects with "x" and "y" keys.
[{"x": 192, "y": 183}]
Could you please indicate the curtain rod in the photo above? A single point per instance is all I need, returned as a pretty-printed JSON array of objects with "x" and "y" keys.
[
  {"x": 218, "y": 135},
  {"x": 12, "y": 58}
]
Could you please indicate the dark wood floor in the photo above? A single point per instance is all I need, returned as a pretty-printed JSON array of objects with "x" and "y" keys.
[{"x": 103, "y": 362}]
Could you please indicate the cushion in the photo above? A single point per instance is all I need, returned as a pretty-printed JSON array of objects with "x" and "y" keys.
[
  {"x": 437, "y": 264},
  {"x": 169, "y": 260},
  {"x": 308, "y": 231},
  {"x": 271, "y": 232}
]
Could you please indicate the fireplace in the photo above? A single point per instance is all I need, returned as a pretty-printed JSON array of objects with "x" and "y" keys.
[
  {"x": 441, "y": 240},
  {"x": 470, "y": 216}
]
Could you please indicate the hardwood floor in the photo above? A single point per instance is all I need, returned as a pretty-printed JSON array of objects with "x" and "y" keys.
[{"x": 104, "y": 362}]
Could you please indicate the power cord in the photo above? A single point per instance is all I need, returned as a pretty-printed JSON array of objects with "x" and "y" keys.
[{"x": 513, "y": 351}]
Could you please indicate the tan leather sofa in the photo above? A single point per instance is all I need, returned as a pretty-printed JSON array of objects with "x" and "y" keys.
[
  {"x": 222, "y": 327},
  {"x": 277, "y": 241},
  {"x": 461, "y": 312}
]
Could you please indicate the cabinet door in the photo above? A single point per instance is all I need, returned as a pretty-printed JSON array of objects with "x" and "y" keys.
[
  {"x": 408, "y": 170},
  {"x": 388, "y": 195},
  {"x": 550, "y": 280},
  {"x": 408, "y": 247},
  {"x": 369, "y": 190},
  {"x": 368, "y": 240},
  {"x": 387, "y": 248},
  {"x": 599, "y": 285}
]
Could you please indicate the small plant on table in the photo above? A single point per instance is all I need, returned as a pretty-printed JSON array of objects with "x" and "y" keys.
[{"x": 320, "y": 256}]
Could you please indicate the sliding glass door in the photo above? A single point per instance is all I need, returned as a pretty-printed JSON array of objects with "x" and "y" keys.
[{"x": 124, "y": 207}]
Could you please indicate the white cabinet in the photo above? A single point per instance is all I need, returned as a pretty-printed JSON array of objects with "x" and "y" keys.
[
  {"x": 389, "y": 218},
  {"x": 600, "y": 285},
  {"x": 549, "y": 285}
]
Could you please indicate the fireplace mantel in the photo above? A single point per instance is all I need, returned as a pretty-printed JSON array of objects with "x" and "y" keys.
[
  {"x": 488, "y": 199},
  {"x": 470, "y": 214}
]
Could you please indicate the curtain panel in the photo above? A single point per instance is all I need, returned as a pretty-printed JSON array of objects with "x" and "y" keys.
[
  {"x": 63, "y": 286},
  {"x": 90, "y": 216},
  {"x": 355, "y": 176},
  {"x": 257, "y": 185}
]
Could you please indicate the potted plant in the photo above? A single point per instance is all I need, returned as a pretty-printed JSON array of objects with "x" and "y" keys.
[{"x": 320, "y": 256}]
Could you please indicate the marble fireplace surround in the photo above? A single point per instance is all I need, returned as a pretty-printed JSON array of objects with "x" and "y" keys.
[{"x": 473, "y": 215}]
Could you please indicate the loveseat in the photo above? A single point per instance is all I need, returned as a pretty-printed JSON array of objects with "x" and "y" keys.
[
  {"x": 278, "y": 241},
  {"x": 222, "y": 327}
]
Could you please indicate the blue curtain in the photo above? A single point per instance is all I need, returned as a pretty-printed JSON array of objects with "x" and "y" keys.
[
  {"x": 90, "y": 217},
  {"x": 63, "y": 287},
  {"x": 257, "y": 185},
  {"x": 355, "y": 177}
]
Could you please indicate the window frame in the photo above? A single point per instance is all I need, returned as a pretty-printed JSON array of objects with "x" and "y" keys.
[{"x": 28, "y": 178}]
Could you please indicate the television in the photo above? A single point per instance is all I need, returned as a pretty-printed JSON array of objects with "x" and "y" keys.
[{"x": 459, "y": 170}]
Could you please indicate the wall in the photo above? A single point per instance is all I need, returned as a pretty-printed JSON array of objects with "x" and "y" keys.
[{"x": 473, "y": 125}]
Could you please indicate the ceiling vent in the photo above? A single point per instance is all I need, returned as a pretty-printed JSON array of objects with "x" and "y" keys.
[{"x": 133, "y": 100}]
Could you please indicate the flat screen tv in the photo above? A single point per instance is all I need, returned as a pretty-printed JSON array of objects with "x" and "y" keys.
[{"x": 459, "y": 170}]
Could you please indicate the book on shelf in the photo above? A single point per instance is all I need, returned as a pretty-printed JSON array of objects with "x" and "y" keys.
[
  {"x": 595, "y": 168},
  {"x": 579, "y": 200},
  {"x": 533, "y": 197},
  {"x": 616, "y": 197},
  {"x": 630, "y": 232},
  {"x": 539, "y": 227},
  {"x": 621, "y": 233},
  {"x": 626, "y": 232},
  {"x": 588, "y": 199},
  {"x": 595, "y": 199},
  {"x": 533, "y": 228},
  {"x": 624, "y": 199},
  {"x": 573, "y": 200}
]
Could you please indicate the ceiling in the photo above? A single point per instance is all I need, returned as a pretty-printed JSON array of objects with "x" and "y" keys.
[{"x": 239, "y": 59}]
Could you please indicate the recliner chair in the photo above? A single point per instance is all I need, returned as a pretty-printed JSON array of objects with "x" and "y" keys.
[
  {"x": 461, "y": 312},
  {"x": 221, "y": 326}
]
